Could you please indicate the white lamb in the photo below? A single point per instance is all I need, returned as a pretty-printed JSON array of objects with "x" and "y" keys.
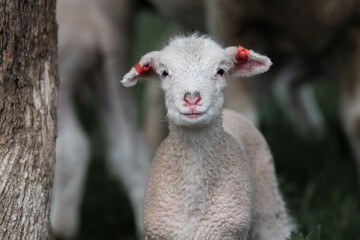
[{"x": 213, "y": 176}]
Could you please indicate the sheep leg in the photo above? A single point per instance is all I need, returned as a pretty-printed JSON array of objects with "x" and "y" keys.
[
  {"x": 297, "y": 98},
  {"x": 72, "y": 149},
  {"x": 350, "y": 95},
  {"x": 128, "y": 155}
]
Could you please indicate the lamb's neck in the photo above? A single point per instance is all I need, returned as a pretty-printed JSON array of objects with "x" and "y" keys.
[{"x": 197, "y": 141}]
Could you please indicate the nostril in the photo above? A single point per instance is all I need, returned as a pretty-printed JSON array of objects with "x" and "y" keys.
[
  {"x": 192, "y": 100},
  {"x": 196, "y": 100}
]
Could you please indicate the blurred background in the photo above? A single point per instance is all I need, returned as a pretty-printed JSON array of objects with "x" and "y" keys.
[{"x": 306, "y": 106}]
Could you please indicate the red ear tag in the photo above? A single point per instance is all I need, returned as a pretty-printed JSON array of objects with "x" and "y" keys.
[
  {"x": 141, "y": 69},
  {"x": 242, "y": 54}
]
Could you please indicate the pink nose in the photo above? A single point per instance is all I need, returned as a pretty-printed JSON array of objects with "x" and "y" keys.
[{"x": 191, "y": 100}]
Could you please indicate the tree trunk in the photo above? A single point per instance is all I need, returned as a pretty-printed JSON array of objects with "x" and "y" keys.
[{"x": 28, "y": 99}]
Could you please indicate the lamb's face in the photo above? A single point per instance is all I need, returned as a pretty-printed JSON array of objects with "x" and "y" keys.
[
  {"x": 193, "y": 72},
  {"x": 192, "y": 75}
]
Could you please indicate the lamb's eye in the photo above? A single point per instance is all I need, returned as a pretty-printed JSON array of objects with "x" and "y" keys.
[
  {"x": 221, "y": 72},
  {"x": 164, "y": 74}
]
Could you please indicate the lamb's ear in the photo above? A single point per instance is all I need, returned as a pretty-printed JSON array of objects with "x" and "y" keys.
[
  {"x": 247, "y": 62},
  {"x": 144, "y": 68}
]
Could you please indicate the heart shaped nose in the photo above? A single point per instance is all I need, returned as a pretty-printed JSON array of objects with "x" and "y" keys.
[{"x": 192, "y": 99}]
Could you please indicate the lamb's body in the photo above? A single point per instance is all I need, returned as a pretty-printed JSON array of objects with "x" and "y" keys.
[
  {"x": 269, "y": 217},
  {"x": 193, "y": 190},
  {"x": 214, "y": 184}
]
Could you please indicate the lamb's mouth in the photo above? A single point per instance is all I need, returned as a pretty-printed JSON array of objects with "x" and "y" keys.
[{"x": 194, "y": 114}]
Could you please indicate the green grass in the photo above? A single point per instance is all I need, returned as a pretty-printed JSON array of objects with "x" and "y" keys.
[{"x": 311, "y": 236}]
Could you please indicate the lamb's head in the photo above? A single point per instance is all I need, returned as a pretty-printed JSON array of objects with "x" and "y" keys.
[{"x": 193, "y": 72}]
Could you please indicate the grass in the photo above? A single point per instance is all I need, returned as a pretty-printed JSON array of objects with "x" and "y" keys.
[{"x": 311, "y": 236}]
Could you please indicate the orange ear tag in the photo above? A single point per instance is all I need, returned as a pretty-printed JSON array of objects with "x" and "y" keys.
[
  {"x": 242, "y": 54},
  {"x": 141, "y": 69}
]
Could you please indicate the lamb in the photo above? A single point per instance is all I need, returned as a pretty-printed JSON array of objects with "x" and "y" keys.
[{"x": 213, "y": 176}]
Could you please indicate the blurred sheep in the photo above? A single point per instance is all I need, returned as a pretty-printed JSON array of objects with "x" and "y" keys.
[
  {"x": 305, "y": 41},
  {"x": 93, "y": 46}
]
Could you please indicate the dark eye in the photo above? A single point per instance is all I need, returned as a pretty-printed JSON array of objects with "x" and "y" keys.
[
  {"x": 165, "y": 73},
  {"x": 221, "y": 72}
]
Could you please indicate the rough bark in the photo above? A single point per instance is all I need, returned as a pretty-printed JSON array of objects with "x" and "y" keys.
[{"x": 28, "y": 99}]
